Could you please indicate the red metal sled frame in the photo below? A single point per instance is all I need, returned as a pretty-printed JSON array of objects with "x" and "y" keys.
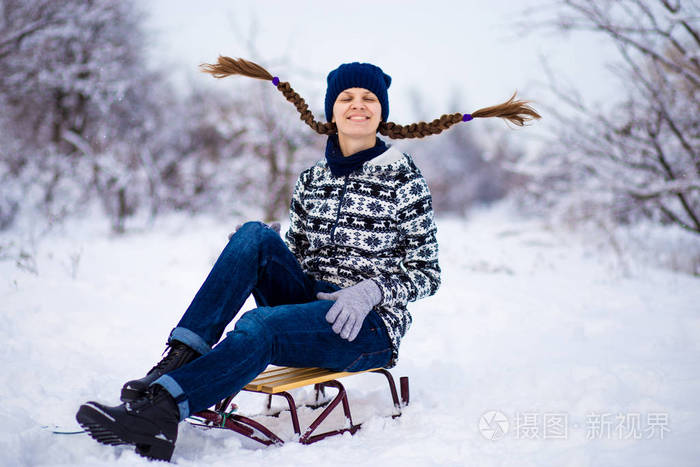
[{"x": 219, "y": 418}]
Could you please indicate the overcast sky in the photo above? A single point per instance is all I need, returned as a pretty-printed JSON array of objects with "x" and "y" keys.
[{"x": 430, "y": 47}]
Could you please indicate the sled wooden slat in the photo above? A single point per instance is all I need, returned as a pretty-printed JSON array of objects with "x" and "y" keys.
[
  {"x": 277, "y": 380},
  {"x": 280, "y": 374}
]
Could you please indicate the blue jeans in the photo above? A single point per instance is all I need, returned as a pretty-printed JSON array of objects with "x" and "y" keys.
[{"x": 288, "y": 328}]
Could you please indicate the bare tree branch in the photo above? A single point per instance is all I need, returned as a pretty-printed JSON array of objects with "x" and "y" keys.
[{"x": 640, "y": 157}]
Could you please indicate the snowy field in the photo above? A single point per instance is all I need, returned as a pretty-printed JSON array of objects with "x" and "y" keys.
[{"x": 585, "y": 358}]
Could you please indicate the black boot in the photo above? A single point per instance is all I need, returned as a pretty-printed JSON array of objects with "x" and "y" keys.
[
  {"x": 149, "y": 423},
  {"x": 179, "y": 355}
]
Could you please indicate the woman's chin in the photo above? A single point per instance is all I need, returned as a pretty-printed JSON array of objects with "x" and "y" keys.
[{"x": 358, "y": 132}]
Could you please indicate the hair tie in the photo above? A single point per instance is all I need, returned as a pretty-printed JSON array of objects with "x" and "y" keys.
[
  {"x": 467, "y": 117},
  {"x": 275, "y": 80}
]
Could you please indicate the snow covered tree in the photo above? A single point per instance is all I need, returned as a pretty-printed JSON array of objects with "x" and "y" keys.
[
  {"x": 640, "y": 157},
  {"x": 78, "y": 107},
  {"x": 281, "y": 146},
  {"x": 84, "y": 118},
  {"x": 211, "y": 144},
  {"x": 244, "y": 150}
]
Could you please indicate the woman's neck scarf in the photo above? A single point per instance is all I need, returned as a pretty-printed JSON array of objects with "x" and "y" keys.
[{"x": 341, "y": 165}]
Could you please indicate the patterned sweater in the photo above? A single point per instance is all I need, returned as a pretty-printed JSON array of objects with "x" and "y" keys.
[{"x": 376, "y": 223}]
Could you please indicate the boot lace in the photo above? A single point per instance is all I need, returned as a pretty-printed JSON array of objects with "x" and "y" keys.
[{"x": 175, "y": 351}]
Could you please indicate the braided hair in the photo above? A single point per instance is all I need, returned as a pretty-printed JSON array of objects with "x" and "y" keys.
[{"x": 514, "y": 111}]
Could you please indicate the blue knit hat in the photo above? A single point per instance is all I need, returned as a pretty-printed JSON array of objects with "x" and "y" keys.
[{"x": 358, "y": 75}]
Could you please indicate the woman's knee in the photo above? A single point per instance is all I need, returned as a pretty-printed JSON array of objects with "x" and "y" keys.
[
  {"x": 250, "y": 336},
  {"x": 249, "y": 238},
  {"x": 254, "y": 325},
  {"x": 250, "y": 229},
  {"x": 257, "y": 233}
]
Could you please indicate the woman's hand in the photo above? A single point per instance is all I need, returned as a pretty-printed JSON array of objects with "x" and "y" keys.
[{"x": 352, "y": 305}]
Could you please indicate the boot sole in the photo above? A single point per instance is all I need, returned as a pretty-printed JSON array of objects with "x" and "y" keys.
[{"x": 104, "y": 429}]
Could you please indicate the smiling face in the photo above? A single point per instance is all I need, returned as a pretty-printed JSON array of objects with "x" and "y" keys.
[{"x": 357, "y": 113}]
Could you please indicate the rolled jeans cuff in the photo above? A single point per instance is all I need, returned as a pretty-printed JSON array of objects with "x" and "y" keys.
[
  {"x": 190, "y": 339},
  {"x": 170, "y": 385}
]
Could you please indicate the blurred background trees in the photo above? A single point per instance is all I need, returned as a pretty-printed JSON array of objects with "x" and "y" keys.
[
  {"x": 85, "y": 119},
  {"x": 87, "y": 122},
  {"x": 464, "y": 170},
  {"x": 638, "y": 158},
  {"x": 79, "y": 116}
]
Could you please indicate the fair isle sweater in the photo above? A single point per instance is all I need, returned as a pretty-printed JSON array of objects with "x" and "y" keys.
[{"x": 376, "y": 223}]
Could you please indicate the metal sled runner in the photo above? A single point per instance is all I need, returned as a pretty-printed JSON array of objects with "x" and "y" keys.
[{"x": 276, "y": 381}]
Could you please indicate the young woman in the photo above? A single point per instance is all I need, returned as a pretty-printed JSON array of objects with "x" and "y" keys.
[{"x": 333, "y": 293}]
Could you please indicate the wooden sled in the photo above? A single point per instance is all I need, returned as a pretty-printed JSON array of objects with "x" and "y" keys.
[{"x": 276, "y": 381}]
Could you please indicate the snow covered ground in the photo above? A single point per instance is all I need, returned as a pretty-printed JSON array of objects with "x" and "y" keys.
[{"x": 535, "y": 331}]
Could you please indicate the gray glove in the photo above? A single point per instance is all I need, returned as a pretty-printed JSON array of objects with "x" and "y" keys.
[
  {"x": 352, "y": 304},
  {"x": 274, "y": 226}
]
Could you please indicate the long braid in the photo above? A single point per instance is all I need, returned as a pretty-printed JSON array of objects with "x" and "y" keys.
[
  {"x": 515, "y": 111},
  {"x": 306, "y": 115},
  {"x": 227, "y": 66},
  {"x": 420, "y": 129}
]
